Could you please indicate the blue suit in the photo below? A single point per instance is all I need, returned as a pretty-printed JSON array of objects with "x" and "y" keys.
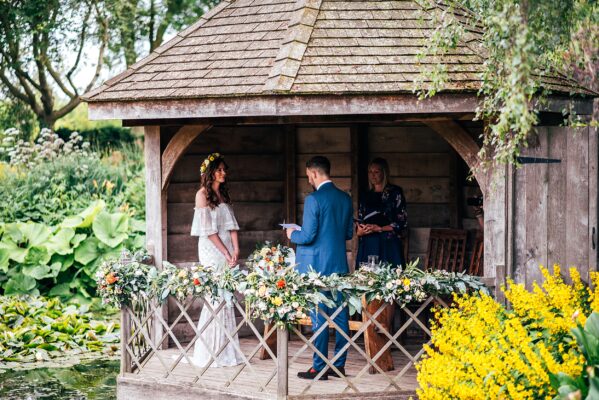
[{"x": 327, "y": 224}]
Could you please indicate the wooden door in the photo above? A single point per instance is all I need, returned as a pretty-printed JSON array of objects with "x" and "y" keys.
[{"x": 555, "y": 204}]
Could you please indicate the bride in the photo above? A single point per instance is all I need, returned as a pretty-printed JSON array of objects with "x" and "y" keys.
[{"x": 218, "y": 246}]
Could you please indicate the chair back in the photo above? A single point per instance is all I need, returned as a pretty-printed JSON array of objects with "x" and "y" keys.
[
  {"x": 477, "y": 261},
  {"x": 446, "y": 250}
]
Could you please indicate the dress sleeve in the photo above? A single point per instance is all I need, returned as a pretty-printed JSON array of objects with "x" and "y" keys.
[
  {"x": 230, "y": 221},
  {"x": 204, "y": 223},
  {"x": 399, "y": 213}
]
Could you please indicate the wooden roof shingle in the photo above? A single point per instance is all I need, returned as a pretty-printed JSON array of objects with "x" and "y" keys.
[{"x": 295, "y": 47}]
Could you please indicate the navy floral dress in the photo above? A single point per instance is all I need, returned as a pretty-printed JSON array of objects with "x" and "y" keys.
[{"x": 387, "y": 245}]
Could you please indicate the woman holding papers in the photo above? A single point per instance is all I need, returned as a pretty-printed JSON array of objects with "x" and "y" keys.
[{"x": 382, "y": 216}]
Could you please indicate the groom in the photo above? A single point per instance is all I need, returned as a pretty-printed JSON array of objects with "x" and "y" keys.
[{"x": 327, "y": 224}]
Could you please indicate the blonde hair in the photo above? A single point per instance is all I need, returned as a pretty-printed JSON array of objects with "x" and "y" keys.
[{"x": 382, "y": 163}]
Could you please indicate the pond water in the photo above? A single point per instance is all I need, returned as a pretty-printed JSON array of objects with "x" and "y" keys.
[{"x": 93, "y": 380}]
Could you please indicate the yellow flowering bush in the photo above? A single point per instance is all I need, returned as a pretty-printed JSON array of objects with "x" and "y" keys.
[{"x": 482, "y": 350}]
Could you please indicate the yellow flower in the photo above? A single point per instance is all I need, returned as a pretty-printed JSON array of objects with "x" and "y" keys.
[
  {"x": 182, "y": 273},
  {"x": 406, "y": 282},
  {"x": 211, "y": 158},
  {"x": 277, "y": 301}
]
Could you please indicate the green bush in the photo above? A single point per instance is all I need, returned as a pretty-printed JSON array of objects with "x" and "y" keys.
[
  {"x": 49, "y": 190},
  {"x": 102, "y": 139},
  {"x": 62, "y": 260}
]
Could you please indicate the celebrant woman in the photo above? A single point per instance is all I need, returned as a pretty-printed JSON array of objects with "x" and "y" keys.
[
  {"x": 218, "y": 246},
  {"x": 382, "y": 216}
]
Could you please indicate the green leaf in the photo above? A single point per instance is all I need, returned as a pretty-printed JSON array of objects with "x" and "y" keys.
[
  {"x": 36, "y": 271},
  {"x": 87, "y": 251},
  {"x": 35, "y": 234},
  {"x": 4, "y": 260},
  {"x": 15, "y": 252},
  {"x": 61, "y": 241},
  {"x": 61, "y": 289},
  {"x": 77, "y": 239},
  {"x": 85, "y": 218},
  {"x": 137, "y": 225},
  {"x": 20, "y": 284},
  {"x": 111, "y": 229},
  {"x": 592, "y": 324},
  {"x": 37, "y": 256}
]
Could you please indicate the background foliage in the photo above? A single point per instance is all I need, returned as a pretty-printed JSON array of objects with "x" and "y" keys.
[{"x": 522, "y": 43}]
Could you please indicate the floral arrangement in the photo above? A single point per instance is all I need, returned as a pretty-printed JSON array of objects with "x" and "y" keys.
[
  {"x": 519, "y": 353},
  {"x": 390, "y": 283},
  {"x": 119, "y": 282},
  {"x": 269, "y": 257},
  {"x": 198, "y": 281},
  {"x": 207, "y": 162},
  {"x": 282, "y": 296}
]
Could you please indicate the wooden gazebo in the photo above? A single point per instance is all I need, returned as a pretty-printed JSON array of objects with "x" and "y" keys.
[{"x": 268, "y": 83}]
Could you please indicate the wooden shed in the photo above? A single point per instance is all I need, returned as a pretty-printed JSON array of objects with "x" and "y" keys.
[{"x": 269, "y": 83}]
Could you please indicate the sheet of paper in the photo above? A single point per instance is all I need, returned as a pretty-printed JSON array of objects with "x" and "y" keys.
[
  {"x": 294, "y": 226},
  {"x": 371, "y": 215}
]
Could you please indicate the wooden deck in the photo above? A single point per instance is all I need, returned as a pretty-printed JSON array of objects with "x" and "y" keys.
[{"x": 260, "y": 381}]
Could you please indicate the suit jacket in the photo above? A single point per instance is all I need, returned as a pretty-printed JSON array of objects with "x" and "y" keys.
[{"x": 327, "y": 224}]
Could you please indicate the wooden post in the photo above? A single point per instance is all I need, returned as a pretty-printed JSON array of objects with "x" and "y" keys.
[
  {"x": 359, "y": 174},
  {"x": 125, "y": 335},
  {"x": 154, "y": 207},
  {"x": 290, "y": 177},
  {"x": 282, "y": 364}
]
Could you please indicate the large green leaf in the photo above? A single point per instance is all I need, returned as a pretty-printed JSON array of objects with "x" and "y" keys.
[
  {"x": 4, "y": 259},
  {"x": 87, "y": 251},
  {"x": 77, "y": 239},
  {"x": 111, "y": 229},
  {"x": 14, "y": 232},
  {"x": 60, "y": 242},
  {"x": 85, "y": 218},
  {"x": 137, "y": 225},
  {"x": 37, "y": 255},
  {"x": 36, "y": 271},
  {"x": 15, "y": 252},
  {"x": 35, "y": 234},
  {"x": 19, "y": 284},
  {"x": 62, "y": 289}
]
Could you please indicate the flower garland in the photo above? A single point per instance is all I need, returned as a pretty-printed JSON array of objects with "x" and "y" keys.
[
  {"x": 207, "y": 162},
  {"x": 275, "y": 291}
]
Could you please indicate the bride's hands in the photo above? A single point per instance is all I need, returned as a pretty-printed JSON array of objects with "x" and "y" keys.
[
  {"x": 231, "y": 259},
  {"x": 235, "y": 256},
  {"x": 364, "y": 229}
]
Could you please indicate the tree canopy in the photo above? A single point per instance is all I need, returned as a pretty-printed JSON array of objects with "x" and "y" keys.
[
  {"x": 524, "y": 44},
  {"x": 45, "y": 43}
]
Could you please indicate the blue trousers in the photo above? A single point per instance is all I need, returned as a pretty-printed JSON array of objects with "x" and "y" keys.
[{"x": 322, "y": 341}]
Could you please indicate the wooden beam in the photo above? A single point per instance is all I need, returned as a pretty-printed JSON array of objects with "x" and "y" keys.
[
  {"x": 462, "y": 142},
  {"x": 176, "y": 147},
  {"x": 290, "y": 175},
  {"x": 282, "y": 105}
]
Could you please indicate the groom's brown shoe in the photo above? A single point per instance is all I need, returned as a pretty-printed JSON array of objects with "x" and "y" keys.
[
  {"x": 311, "y": 374},
  {"x": 333, "y": 374}
]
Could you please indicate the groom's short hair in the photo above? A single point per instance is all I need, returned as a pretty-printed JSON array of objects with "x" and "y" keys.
[{"x": 320, "y": 163}]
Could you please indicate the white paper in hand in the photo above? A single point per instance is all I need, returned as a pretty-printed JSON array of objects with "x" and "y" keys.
[{"x": 294, "y": 226}]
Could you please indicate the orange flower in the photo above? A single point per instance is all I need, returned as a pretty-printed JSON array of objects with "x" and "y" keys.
[
  {"x": 196, "y": 281},
  {"x": 110, "y": 278},
  {"x": 281, "y": 283}
]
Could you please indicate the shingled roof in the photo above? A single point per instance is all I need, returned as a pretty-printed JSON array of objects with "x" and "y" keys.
[{"x": 297, "y": 47}]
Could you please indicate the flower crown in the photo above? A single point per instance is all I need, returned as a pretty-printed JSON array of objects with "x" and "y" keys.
[{"x": 207, "y": 162}]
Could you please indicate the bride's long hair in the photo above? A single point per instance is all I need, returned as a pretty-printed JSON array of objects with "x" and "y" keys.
[{"x": 207, "y": 179}]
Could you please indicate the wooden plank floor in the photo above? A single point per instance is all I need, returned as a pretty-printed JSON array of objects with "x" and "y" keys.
[{"x": 260, "y": 381}]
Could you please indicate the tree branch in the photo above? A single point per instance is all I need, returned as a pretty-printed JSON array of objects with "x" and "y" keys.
[
  {"x": 82, "y": 38},
  {"x": 104, "y": 41}
]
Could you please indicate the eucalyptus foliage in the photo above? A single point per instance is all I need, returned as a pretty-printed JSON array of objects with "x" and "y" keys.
[{"x": 525, "y": 47}]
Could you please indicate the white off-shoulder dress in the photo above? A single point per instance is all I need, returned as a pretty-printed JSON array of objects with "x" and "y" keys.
[{"x": 206, "y": 222}]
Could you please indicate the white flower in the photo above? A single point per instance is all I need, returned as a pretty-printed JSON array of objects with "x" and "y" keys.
[
  {"x": 389, "y": 285},
  {"x": 295, "y": 304}
]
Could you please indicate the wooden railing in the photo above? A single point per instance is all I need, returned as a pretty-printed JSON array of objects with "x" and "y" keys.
[{"x": 144, "y": 354}]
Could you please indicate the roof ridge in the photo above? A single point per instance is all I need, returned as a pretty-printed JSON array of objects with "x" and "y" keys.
[
  {"x": 158, "y": 50},
  {"x": 289, "y": 58}
]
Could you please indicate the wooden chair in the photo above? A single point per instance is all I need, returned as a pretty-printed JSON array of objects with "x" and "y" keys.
[
  {"x": 446, "y": 250},
  {"x": 476, "y": 261}
]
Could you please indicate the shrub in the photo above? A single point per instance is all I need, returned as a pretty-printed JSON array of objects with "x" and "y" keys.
[
  {"x": 481, "y": 350},
  {"x": 62, "y": 260},
  {"x": 104, "y": 139},
  {"x": 52, "y": 179}
]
